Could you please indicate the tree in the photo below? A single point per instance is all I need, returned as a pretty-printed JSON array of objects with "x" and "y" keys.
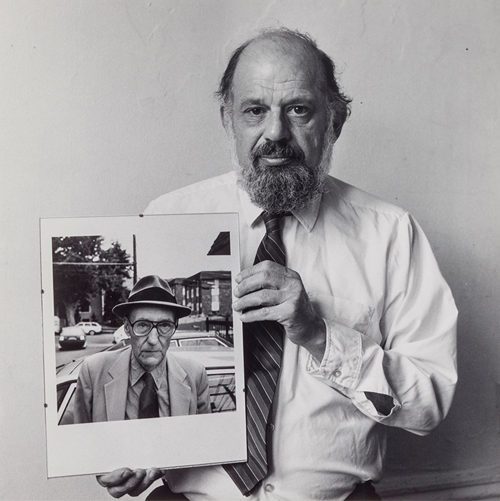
[
  {"x": 81, "y": 272},
  {"x": 112, "y": 278}
]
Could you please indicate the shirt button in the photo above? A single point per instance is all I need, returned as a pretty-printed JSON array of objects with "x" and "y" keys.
[
  {"x": 270, "y": 427},
  {"x": 269, "y": 487},
  {"x": 337, "y": 373}
]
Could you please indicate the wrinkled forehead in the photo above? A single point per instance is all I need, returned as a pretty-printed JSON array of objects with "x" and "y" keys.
[
  {"x": 278, "y": 63},
  {"x": 154, "y": 313}
]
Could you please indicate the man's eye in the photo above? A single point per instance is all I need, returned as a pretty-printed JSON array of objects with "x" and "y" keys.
[
  {"x": 299, "y": 110},
  {"x": 255, "y": 111}
]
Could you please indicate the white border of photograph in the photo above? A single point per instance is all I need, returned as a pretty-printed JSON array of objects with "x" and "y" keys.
[{"x": 163, "y": 442}]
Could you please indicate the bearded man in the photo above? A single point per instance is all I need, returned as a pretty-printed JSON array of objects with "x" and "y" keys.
[{"x": 340, "y": 294}]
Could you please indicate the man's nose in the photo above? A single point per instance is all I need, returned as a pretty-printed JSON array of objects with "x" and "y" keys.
[
  {"x": 277, "y": 127},
  {"x": 153, "y": 336}
]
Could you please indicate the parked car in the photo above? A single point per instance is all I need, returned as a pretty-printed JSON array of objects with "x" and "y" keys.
[
  {"x": 72, "y": 337},
  {"x": 57, "y": 325},
  {"x": 90, "y": 328},
  {"x": 197, "y": 338},
  {"x": 218, "y": 361},
  {"x": 119, "y": 335}
]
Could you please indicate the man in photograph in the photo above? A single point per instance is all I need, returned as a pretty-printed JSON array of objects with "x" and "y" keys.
[
  {"x": 143, "y": 380},
  {"x": 348, "y": 322}
]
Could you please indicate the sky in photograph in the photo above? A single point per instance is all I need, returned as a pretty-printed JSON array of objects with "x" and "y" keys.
[
  {"x": 171, "y": 246},
  {"x": 178, "y": 246}
]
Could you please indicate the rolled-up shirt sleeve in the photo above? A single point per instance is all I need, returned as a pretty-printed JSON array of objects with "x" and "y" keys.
[{"x": 404, "y": 377}]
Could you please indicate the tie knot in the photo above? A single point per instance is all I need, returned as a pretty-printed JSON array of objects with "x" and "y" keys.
[
  {"x": 148, "y": 379},
  {"x": 273, "y": 221}
]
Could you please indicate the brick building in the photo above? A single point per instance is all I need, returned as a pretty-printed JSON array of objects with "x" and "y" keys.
[{"x": 208, "y": 294}]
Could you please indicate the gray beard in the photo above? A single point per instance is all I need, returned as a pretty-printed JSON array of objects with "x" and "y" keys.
[
  {"x": 281, "y": 189},
  {"x": 288, "y": 188}
]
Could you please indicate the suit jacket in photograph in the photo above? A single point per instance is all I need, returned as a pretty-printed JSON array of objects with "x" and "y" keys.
[{"x": 101, "y": 392}]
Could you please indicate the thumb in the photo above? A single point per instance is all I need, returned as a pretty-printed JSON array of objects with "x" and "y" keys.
[{"x": 115, "y": 477}]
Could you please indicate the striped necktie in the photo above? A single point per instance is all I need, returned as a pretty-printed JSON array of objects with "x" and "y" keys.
[
  {"x": 263, "y": 345},
  {"x": 148, "y": 399}
]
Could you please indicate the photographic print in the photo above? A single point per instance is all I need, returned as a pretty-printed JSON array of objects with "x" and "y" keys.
[{"x": 140, "y": 344}]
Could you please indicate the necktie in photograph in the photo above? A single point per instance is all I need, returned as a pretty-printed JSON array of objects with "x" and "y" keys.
[
  {"x": 263, "y": 346},
  {"x": 148, "y": 400}
]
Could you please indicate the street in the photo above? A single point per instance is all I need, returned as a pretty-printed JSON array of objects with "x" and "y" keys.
[{"x": 95, "y": 344}]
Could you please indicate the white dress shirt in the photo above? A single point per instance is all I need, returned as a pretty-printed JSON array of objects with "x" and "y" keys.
[{"x": 390, "y": 316}]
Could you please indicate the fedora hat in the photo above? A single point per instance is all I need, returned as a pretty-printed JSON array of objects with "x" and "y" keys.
[{"x": 151, "y": 290}]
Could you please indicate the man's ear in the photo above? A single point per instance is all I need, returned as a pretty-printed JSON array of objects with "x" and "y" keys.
[
  {"x": 225, "y": 116},
  {"x": 339, "y": 119},
  {"x": 126, "y": 326}
]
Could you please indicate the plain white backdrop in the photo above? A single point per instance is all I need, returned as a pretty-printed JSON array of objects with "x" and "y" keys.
[{"x": 106, "y": 105}]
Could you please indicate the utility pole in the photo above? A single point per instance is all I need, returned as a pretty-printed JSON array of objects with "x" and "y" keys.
[{"x": 134, "y": 258}]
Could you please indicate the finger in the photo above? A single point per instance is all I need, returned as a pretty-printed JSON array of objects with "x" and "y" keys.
[
  {"x": 256, "y": 268},
  {"x": 129, "y": 485},
  {"x": 264, "y": 279},
  {"x": 116, "y": 477},
  {"x": 279, "y": 313},
  {"x": 263, "y": 297},
  {"x": 152, "y": 474}
]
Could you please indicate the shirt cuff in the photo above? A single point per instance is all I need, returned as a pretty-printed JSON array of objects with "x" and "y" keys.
[
  {"x": 341, "y": 366},
  {"x": 341, "y": 363}
]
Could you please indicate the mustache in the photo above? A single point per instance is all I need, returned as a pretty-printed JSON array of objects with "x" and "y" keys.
[{"x": 279, "y": 149}]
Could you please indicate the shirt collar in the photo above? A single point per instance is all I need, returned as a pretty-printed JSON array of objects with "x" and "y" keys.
[
  {"x": 307, "y": 217},
  {"x": 137, "y": 371}
]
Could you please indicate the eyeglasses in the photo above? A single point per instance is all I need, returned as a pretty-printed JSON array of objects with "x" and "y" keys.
[{"x": 142, "y": 328}]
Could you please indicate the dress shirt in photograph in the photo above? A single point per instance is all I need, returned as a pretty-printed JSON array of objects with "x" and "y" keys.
[{"x": 136, "y": 385}]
